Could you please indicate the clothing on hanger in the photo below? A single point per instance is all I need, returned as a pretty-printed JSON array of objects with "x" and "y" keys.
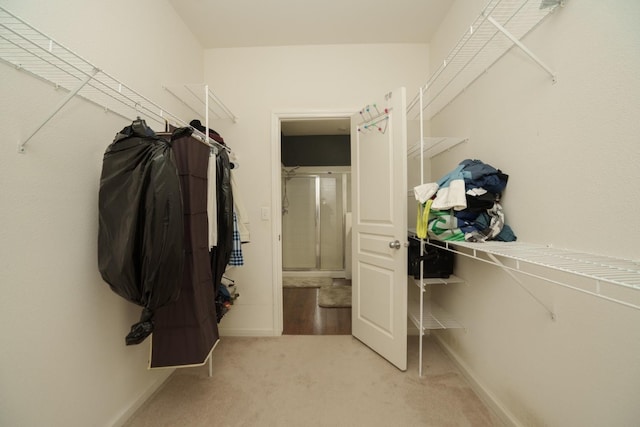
[
  {"x": 186, "y": 330},
  {"x": 140, "y": 204}
]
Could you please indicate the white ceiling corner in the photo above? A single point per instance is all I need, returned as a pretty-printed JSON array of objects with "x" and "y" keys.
[{"x": 245, "y": 23}]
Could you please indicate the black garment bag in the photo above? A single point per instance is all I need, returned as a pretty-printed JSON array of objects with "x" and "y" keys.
[{"x": 140, "y": 238}]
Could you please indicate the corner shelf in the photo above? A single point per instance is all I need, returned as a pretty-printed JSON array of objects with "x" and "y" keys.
[
  {"x": 433, "y": 317},
  {"x": 425, "y": 314}
]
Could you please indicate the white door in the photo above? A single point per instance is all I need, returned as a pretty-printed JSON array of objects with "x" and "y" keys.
[{"x": 379, "y": 233}]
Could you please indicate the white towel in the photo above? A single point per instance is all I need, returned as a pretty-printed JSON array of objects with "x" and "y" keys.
[
  {"x": 233, "y": 160},
  {"x": 241, "y": 213},
  {"x": 424, "y": 192},
  {"x": 452, "y": 196},
  {"x": 212, "y": 214}
]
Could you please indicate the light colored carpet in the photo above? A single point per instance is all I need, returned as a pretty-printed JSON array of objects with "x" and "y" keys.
[
  {"x": 334, "y": 296},
  {"x": 314, "y": 381},
  {"x": 305, "y": 282}
]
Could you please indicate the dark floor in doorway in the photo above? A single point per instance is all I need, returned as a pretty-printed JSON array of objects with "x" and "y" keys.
[{"x": 303, "y": 316}]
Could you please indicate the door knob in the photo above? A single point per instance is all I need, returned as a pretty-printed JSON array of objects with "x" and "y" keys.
[{"x": 395, "y": 244}]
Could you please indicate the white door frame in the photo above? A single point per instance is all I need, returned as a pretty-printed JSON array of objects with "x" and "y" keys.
[{"x": 276, "y": 198}]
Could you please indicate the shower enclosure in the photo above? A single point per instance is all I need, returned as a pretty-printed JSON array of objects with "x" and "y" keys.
[{"x": 314, "y": 203}]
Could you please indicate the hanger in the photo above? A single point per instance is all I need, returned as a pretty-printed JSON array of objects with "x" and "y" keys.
[{"x": 140, "y": 127}]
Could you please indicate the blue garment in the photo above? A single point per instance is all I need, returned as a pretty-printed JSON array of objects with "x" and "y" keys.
[
  {"x": 506, "y": 234},
  {"x": 466, "y": 215},
  {"x": 474, "y": 169},
  {"x": 482, "y": 219},
  {"x": 467, "y": 227},
  {"x": 478, "y": 174},
  {"x": 495, "y": 183},
  {"x": 236, "y": 257},
  {"x": 453, "y": 175}
]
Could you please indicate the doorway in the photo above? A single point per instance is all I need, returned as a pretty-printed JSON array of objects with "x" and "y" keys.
[{"x": 314, "y": 197}]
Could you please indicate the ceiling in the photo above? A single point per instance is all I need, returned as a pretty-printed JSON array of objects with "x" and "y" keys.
[
  {"x": 244, "y": 23},
  {"x": 259, "y": 23}
]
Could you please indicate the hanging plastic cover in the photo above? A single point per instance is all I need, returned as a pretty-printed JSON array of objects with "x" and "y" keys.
[{"x": 141, "y": 234}]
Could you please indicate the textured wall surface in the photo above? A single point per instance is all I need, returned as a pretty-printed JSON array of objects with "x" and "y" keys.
[
  {"x": 63, "y": 359},
  {"x": 571, "y": 150}
]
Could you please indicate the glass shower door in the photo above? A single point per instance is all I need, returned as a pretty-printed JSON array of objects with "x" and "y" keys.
[
  {"x": 299, "y": 223},
  {"x": 331, "y": 223},
  {"x": 313, "y": 222}
]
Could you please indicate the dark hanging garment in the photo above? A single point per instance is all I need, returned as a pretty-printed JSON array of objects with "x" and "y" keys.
[
  {"x": 140, "y": 243},
  {"x": 221, "y": 253},
  {"x": 186, "y": 330}
]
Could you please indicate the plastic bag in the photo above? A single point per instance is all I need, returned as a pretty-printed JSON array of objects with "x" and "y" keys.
[{"x": 141, "y": 232}]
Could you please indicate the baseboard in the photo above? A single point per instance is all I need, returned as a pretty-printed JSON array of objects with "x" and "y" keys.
[
  {"x": 483, "y": 393},
  {"x": 142, "y": 398},
  {"x": 231, "y": 332},
  {"x": 336, "y": 274}
]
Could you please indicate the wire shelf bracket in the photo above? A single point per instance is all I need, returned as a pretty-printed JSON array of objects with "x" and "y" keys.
[
  {"x": 522, "y": 47},
  {"x": 64, "y": 102}
]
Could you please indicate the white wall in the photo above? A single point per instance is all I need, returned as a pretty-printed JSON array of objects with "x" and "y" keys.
[
  {"x": 570, "y": 148},
  {"x": 572, "y": 151},
  {"x": 260, "y": 81},
  {"x": 63, "y": 359}
]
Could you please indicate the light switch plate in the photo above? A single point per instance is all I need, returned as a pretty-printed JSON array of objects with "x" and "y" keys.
[{"x": 264, "y": 213}]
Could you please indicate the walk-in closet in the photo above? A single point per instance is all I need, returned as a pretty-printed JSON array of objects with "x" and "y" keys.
[{"x": 540, "y": 327}]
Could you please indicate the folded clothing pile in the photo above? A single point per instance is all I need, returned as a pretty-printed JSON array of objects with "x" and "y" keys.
[{"x": 464, "y": 205}]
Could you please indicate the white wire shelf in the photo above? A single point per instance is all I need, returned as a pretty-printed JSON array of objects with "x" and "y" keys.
[
  {"x": 500, "y": 25},
  {"x": 432, "y": 146},
  {"x": 198, "y": 98},
  {"x": 437, "y": 280},
  {"x": 27, "y": 49},
  {"x": 598, "y": 269},
  {"x": 622, "y": 272},
  {"x": 433, "y": 316}
]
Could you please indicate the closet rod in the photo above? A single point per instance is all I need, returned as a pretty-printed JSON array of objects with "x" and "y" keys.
[
  {"x": 201, "y": 137},
  {"x": 204, "y": 102}
]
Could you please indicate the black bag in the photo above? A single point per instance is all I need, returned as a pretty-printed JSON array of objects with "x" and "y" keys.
[
  {"x": 438, "y": 262},
  {"x": 141, "y": 232}
]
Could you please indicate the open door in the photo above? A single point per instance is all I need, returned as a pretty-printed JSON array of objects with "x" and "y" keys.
[{"x": 379, "y": 229}]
